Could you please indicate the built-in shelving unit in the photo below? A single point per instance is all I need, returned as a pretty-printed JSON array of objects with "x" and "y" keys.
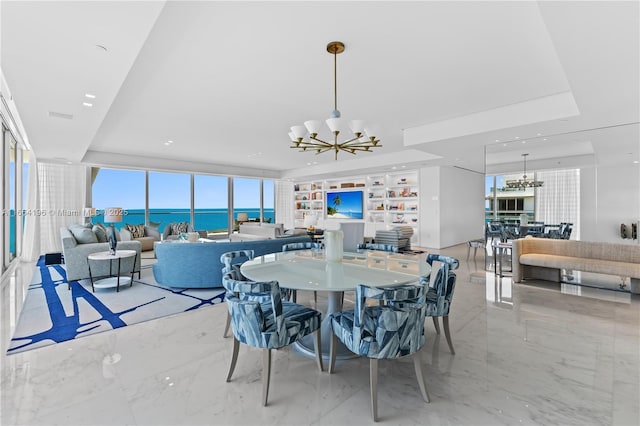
[
  {"x": 390, "y": 199},
  {"x": 308, "y": 197}
]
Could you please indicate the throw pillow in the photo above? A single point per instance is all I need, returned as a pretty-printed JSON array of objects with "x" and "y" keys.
[
  {"x": 137, "y": 231},
  {"x": 178, "y": 228},
  {"x": 101, "y": 233},
  {"x": 83, "y": 235}
]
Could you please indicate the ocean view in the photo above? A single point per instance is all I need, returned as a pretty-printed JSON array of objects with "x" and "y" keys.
[{"x": 211, "y": 220}]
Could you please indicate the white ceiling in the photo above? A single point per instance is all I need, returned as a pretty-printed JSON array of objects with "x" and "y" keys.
[{"x": 226, "y": 80}]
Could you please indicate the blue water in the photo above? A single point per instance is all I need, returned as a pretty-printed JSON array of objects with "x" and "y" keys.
[{"x": 205, "y": 219}]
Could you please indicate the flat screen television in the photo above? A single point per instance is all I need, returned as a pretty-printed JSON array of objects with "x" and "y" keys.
[{"x": 344, "y": 205}]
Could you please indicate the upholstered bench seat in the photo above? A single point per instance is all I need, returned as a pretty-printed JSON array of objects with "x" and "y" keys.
[
  {"x": 543, "y": 258},
  {"x": 611, "y": 267}
]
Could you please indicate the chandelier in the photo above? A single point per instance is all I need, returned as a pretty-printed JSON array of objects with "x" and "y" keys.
[
  {"x": 363, "y": 138},
  {"x": 524, "y": 182}
]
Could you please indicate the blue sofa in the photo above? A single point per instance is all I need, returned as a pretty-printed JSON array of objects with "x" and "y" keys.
[{"x": 197, "y": 265}]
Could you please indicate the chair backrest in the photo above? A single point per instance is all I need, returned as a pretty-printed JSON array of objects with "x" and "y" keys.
[
  {"x": 301, "y": 246},
  {"x": 440, "y": 295},
  {"x": 353, "y": 234},
  {"x": 397, "y": 324},
  {"x": 381, "y": 247},
  {"x": 251, "y": 325},
  {"x": 233, "y": 259}
]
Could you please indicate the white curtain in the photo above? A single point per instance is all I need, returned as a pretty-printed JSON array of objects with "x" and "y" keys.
[
  {"x": 284, "y": 203},
  {"x": 56, "y": 197},
  {"x": 558, "y": 200}
]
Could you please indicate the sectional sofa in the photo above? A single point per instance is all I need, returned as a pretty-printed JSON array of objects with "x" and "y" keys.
[
  {"x": 76, "y": 249},
  {"x": 197, "y": 265}
]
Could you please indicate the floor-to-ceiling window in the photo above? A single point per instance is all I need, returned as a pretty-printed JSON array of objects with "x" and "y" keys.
[
  {"x": 507, "y": 204},
  {"x": 211, "y": 203},
  {"x": 120, "y": 188},
  {"x": 246, "y": 198},
  {"x": 268, "y": 200},
  {"x": 169, "y": 198},
  {"x": 13, "y": 217}
]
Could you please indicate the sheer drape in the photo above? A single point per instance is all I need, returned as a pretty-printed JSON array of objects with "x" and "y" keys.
[
  {"x": 559, "y": 199},
  {"x": 284, "y": 203},
  {"x": 56, "y": 196}
]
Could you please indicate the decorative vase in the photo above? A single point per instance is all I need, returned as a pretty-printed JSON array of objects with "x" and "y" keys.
[
  {"x": 333, "y": 245},
  {"x": 113, "y": 241}
]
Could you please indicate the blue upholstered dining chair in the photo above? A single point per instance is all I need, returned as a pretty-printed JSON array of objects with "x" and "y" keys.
[
  {"x": 302, "y": 246},
  {"x": 392, "y": 329},
  {"x": 266, "y": 325},
  {"x": 381, "y": 247},
  {"x": 232, "y": 260},
  {"x": 440, "y": 294}
]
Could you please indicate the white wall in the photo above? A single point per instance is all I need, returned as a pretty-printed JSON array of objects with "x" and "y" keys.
[
  {"x": 609, "y": 196},
  {"x": 451, "y": 206}
]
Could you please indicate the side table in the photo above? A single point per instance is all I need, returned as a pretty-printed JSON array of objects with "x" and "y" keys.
[{"x": 112, "y": 280}]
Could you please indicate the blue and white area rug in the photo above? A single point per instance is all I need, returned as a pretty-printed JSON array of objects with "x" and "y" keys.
[{"x": 52, "y": 313}]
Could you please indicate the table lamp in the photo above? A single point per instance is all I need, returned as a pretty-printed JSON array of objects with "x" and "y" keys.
[
  {"x": 112, "y": 215},
  {"x": 242, "y": 217}
]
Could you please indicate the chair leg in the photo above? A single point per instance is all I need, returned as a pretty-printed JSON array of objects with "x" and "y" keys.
[
  {"x": 435, "y": 324},
  {"x": 234, "y": 358},
  {"x": 447, "y": 333},
  {"x": 318, "y": 348},
  {"x": 315, "y": 298},
  {"x": 373, "y": 379},
  {"x": 266, "y": 374},
  {"x": 418, "y": 367},
  {"x": 294, "y": 296},
  {"x": 227, "y": 326},
  {"x": 332, "y": 352}
]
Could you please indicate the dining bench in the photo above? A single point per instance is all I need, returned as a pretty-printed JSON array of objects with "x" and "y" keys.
[{"x": 544, "y": 258}]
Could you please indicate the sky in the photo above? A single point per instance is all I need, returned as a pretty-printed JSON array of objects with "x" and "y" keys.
[{"x": 126, "y": 188}]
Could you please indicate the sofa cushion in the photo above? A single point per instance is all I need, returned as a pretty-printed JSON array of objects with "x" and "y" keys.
[
  {"x": 178, "y": 228},
  {"x": 101, "y": 233},
  {"x": 83, "y": 235},
  {"x": 137, "y": 231}
]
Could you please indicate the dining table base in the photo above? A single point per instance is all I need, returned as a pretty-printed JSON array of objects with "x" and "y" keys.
[{"x": 306, "y": 344}]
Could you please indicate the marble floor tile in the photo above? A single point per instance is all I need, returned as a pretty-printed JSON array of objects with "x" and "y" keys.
[{"x": 532, "y": 354}]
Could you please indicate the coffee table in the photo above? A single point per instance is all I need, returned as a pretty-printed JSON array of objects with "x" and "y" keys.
[{"x": 112, "y": 280}]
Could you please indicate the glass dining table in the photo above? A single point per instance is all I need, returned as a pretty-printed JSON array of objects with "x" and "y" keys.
[{"x": 309, "y": 270}]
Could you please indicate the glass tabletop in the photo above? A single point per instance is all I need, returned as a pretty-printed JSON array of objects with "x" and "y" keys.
[{"x": 309, "y": 270}]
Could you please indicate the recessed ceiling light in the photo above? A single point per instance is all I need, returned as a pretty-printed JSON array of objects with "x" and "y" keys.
[
  {"x": 497, "y": 140},
  {"x": 89, "y": 95},
  {"x": 539, "y": 134},
  {"x": 167, "y": 143},
  {"x": 393, "y": 168},
  {"x": 87, "y": 104},
  {"x": 404, "y": 167},
  {"x": 636, "y": 162},
  {"x": 544, "y": 139},
  {"x": 517, "y": 137},
  {"x": 524, "y": 141}
]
